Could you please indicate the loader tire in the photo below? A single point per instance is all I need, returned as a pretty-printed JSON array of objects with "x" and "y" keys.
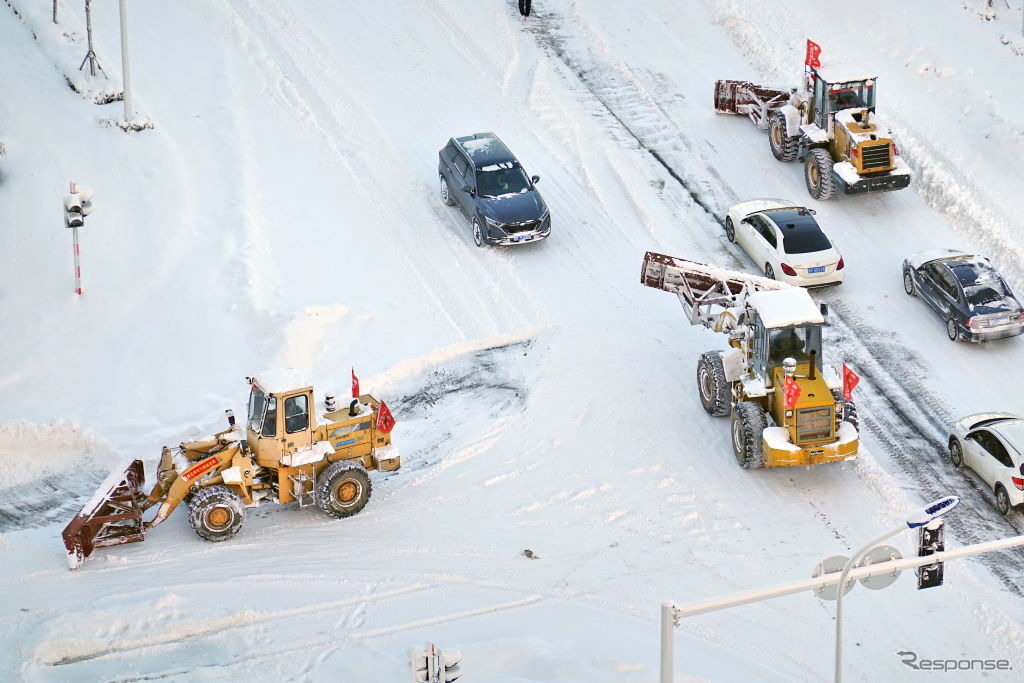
[
  {"x": 343, "y": 489},
  {"x": 216, "y": 513},
  {"x": 850, "y": 414},
  {"x": 748, "y": 423},
  {"x": 818, "y": 174},
  {"x": 784, "y": 147},
  {"x": 715, "y": 392}
]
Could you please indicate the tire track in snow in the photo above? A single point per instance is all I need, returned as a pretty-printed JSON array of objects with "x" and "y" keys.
[
  {"x": 266, "y": 28},
  {"x": 924, "y": 425},
  {"x": 912, "y": 423}
]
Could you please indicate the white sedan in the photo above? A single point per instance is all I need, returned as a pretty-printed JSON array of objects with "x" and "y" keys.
[
  {"x": 991, "y": 445},
  {"x": 785, "y": 241}
]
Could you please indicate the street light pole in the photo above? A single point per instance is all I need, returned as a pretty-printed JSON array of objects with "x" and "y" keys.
[
  {"x": 850, "y": 564},
  {"x": 126, "y": 76},
  {"x": 918, "y": 518}
]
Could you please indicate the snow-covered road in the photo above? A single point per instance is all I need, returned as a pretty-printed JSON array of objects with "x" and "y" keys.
[{"x": 283, "y": 214}]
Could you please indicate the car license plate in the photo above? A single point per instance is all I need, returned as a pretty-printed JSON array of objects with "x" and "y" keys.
[
  {"x": 523, "y": 238},
  {"x": 816, "y": 269}
]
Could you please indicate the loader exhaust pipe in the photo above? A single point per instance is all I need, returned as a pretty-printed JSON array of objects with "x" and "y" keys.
[{"x": 812, "y": 368}]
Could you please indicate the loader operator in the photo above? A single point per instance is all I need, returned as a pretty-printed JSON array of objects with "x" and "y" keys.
[{"x": 784, "y": 344}]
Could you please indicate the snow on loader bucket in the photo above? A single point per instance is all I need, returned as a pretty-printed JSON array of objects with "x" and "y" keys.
[
  {"x": 744, "y": 97},
  {"x": 112, "y": 517}
]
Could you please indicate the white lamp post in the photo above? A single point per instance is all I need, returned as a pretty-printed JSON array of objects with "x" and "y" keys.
[
  {"x": 125, "y": 76},
  {"x": 918, "y": 518}
]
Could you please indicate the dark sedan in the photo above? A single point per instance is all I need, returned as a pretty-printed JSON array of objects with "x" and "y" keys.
[{"x": 967, "y": 292}]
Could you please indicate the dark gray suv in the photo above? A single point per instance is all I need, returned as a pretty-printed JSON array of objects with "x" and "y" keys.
[{"x": 484, "y": 179}]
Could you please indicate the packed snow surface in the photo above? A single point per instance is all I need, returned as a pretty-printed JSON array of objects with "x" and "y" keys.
[{"x": 559, "y": 479}]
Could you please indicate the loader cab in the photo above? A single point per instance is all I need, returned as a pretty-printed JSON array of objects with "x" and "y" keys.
[
  {"x": 279, "y": 422},
  {"x": 836, "y": 92},
  {"x": 786, "y": 324}
]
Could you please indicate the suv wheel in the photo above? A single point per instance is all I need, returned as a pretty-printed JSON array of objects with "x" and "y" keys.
[
  {"x": 1002, "y": 501},
  {"x": 446, "y": 195},
  {"x": 478, "y": 238}
]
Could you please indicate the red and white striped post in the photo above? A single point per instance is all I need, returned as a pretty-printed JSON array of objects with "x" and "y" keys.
[
  {"x": 78, "y": 266},
  {"x": 77, "y": 206}
]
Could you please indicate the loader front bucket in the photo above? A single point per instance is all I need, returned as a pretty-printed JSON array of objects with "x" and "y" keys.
[
  {"x": 739, "y": 97},
  {"x": 113, "y": 516}
]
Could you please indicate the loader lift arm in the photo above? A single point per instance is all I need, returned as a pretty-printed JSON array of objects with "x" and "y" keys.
[{"x": 706, "y": 292}]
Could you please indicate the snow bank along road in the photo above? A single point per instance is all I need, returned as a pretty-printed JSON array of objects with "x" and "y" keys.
[{"x": 284, "y": 214}]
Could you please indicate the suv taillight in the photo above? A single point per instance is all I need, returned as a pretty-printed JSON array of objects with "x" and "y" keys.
[
  {"x": 787, "y": 269},
  {"x": 1018, "y": 482},
  {"x": 841, "y": 264}
]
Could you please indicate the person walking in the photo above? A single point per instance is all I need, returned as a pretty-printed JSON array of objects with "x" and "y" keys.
[{"x": 524, "y": 7}]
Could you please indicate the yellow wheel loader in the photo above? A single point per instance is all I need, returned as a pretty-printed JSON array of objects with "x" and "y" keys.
[
  {"x": 283, "y": 455},
  {"x": 774, "y": 332},
  {"x": 830, "y": 125}
]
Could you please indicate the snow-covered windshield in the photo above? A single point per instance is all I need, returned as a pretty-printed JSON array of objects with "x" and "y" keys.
[
  {"x": 501, "y": 181},
  {"x": 985, "y": 294},
  {"x": 981, "y": 283},
  {"x": 257, "y": 406}
]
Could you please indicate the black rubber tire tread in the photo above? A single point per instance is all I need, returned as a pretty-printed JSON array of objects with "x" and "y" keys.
[
  {"x": 956, "y": 453},
  {"x": 748, "y": 423},
  {"x": 1003, "y": 502},
  {"x": 787, "y": 147},
  {"x": 730, "y": 230},
  {"x": 850, "y": 414},
  {"x": 908, "y": 283},
  {"x": 209, "y": 497},
  {"x": 950, "y": 322},
  {"x": 769, "y": 272},
  {"x": 711, "y": 377},
  {"x": 446, "y": 197},
  {"x": 826, "y": 187},
  {"x": 332, "y": 477},
  {"x": 478, "y": 238}
]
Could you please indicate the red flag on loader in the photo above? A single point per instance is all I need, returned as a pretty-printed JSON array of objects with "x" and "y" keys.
[
  {"x": 385, "y": 420},
  {"x": 791, "y": 392},
  {"x": 850, "y": 380},
  {"x": 813, "y": 52},
  {"x": 355, "y": 384}
]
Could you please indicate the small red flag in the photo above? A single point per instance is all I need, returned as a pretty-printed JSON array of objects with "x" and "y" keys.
[
  {"x": 791, "y": 392},
  {"x": 385, "y": 420},
  {"x": 813, "y": 52},
  {"x": 355, "y": 384},
  {"x": 850, "y": 380}
]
